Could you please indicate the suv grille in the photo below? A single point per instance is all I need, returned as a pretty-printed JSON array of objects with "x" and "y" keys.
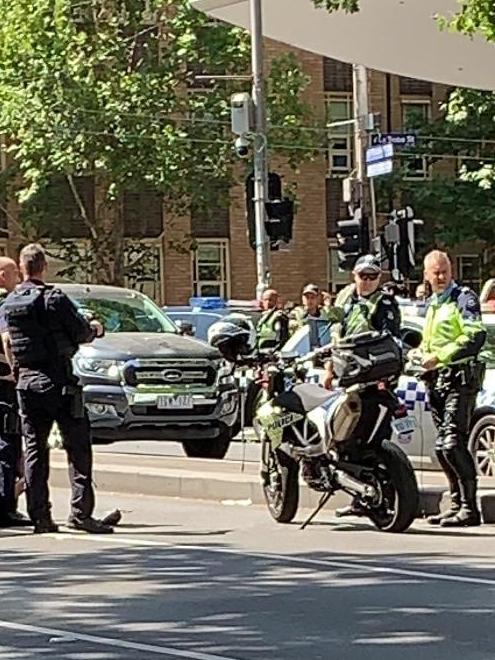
[{"x": 170, "y": 372}]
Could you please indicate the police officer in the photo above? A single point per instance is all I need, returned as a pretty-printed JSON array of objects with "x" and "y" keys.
[
  {"x": 41, "y": 333},
  {"x": 452, "y": 339},
  {"x": 10, "y": 438},
  {"x": 366, "y": 307},
  {"x": 312, "y": 309},
  {"x": 272, "y": 330}
]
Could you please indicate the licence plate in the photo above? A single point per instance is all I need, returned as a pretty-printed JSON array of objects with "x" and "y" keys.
[
  {"x": 404, "y": 425},
  {"x": 178, "y": 402}
]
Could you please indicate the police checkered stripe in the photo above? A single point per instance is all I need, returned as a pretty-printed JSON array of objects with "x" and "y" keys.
[{"x": 411, "y": 392}]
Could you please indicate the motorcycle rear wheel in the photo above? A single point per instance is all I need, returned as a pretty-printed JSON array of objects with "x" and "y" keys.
[
  {"x": 399, "y": 501},
  {"x": 280, "y": 483}
]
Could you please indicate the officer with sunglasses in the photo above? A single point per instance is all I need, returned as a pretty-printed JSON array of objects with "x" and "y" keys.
[{"x": 368, "y": 307}]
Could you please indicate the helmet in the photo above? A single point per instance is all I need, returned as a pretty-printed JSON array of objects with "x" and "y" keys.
[
  {"x": 245, "y": 323},
  {"x": 230, "y": 339}
]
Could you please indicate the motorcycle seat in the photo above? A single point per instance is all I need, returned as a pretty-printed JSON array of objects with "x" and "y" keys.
[{"x": 304, "y": 398}]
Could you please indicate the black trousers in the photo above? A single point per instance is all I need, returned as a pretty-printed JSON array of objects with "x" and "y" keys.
[
  {"x": 39, "y": 410},
  {"x": 453, "y": 398},
  {"x": 10, "y": 447}
]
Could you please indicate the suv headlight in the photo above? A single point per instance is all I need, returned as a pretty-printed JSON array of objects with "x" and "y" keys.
[{"x": 109, "y": 369}]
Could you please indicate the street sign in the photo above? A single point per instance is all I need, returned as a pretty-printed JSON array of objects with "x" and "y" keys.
[
  {"x": 379, "y": 168},
  {"x": 379, "y": 153},
  {"x": 397, "y": 139}
]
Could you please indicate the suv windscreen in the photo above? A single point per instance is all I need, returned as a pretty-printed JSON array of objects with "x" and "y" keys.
[{"x": 126, "y": 313}]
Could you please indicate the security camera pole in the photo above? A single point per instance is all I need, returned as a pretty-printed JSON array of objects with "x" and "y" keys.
[{"x": 260, "y": 149}]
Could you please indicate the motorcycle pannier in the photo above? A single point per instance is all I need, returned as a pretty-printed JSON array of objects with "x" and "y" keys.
[{"x": 366, "y": 358}]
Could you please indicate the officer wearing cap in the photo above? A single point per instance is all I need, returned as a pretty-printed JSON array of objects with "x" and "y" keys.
[
  {"x": 368, "y": 306},
  {"x": 312, "y": 309},
  {"x": 272, "y": 330},
  {"x": 452, "y": 339}
]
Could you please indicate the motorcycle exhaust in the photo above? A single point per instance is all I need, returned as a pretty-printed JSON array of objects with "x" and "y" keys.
[{"x": 357, "y": 487}]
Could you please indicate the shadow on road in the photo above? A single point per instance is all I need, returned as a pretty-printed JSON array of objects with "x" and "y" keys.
[{"x": 215, "y": 600}]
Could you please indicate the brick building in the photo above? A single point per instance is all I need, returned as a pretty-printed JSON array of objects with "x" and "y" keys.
[{"x": 223, "y": 262}]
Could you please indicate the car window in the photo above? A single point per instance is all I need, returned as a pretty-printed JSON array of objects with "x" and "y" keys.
[
  {"x": 203, "y": 323},
  {"x": 134, "y": 312}
]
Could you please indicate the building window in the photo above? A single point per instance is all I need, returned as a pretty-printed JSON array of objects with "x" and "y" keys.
[
  {"x": 337, "y": 279},
  {"x": 415, "y": 113},
  {"x": 211, "y": 268},
  {"x": 470, "y": 270},
  {"x": 340, "y": 138}
]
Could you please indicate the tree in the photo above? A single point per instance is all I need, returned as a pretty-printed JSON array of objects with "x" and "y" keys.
[{"x": 99, "y": 89}]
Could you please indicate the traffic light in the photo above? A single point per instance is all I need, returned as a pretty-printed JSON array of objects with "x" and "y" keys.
[
  {"x": 400, "y": 238},
  {"x": 279, "y": 212},
  {"x": 352, "y": 239}
]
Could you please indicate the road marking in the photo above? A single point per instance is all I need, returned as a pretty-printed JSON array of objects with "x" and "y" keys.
[
  {"x": 110, "y": 641},
  {"x": 328, "y": 563}
]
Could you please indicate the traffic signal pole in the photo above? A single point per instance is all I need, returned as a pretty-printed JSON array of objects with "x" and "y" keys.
[
  {"x": 260, "y": 149},
  {"x": 361, "y": 117}
]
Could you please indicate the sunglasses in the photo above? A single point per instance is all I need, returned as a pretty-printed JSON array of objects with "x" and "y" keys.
[{"x": 368, "y": 276}]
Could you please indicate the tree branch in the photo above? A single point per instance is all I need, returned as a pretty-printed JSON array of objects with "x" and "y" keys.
[{"x": 82, "y": 208}]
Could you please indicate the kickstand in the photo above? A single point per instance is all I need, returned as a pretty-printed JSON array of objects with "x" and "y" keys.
[
  {"x": 243, "y": 397},
  {"x": 323, "y": 500}
]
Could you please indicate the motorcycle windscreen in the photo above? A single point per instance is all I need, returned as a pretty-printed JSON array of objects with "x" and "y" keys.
[
  {"x": 298, "y": 345},
  {"x": 319, "y": 332}
]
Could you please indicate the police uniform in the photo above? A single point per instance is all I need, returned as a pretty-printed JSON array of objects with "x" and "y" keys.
[
  {"x": 45, "y": 331},
  {"x": 272, "y": 330},
  {"x": 10, "y": 445},
  {"x": 454, "y": 334},
  {"x": 300, "y": 316},
  {"x": 379, "y": 312}
]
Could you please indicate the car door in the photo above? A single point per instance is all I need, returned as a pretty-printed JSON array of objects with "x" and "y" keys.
[{"x": 420, "y": 445}]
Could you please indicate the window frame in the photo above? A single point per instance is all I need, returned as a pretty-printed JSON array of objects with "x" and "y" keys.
[
  {"x": 224, "y": 282},
  {"x": 343, "y": 133},
  {"x": 423, "y": 173}
]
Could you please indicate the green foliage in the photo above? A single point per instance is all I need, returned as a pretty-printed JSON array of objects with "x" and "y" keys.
[
  {"x": 102, "y": 88},
  {"x": 349, "y": 6}
]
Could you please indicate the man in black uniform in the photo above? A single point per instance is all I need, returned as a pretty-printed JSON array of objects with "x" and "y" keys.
[
  {"x": 10, "y": 436},
  {"x": 42, "y": 330}
]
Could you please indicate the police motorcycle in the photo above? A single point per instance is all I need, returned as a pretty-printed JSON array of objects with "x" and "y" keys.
[{"x": 339, "y": 437}]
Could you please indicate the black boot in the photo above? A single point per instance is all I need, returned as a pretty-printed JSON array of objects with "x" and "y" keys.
[
  {"x": 453, "y": 510},
  {"x": 45, "y": 526},
  {"x": 469, "y": 515}
]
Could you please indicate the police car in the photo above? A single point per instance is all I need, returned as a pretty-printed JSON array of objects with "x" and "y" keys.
[{"x": 420, "y": 445}]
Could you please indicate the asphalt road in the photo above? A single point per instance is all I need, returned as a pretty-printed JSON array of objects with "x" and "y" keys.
[{"x": 211, "y": 582}]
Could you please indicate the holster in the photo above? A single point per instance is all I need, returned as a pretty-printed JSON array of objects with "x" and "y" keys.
[{"x": 75, "y": 397}]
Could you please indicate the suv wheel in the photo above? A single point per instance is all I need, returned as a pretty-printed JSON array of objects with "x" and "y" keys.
[
  {"x": 212, "y": 448},
  {"x": 482, "y": 445}
]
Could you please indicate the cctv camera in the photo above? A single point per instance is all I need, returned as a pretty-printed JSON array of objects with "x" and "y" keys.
[{"x": 241, "y": 146}]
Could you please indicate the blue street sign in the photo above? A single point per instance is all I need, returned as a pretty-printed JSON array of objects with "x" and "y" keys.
[
  {"x": 397, "y": 139},
  {"x": 382, "y": 152}
]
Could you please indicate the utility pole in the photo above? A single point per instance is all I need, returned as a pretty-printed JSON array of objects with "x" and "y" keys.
[
  {"x": 260, "y": 149},
  {"x": 361, "y": 119}
]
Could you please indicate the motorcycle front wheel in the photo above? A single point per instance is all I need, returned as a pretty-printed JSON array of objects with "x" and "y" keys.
[
  {"x": 398, "y": 501},
  {"x": 280, "y": 475}
]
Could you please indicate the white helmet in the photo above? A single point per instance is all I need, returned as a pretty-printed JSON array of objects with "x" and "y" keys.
[{"x": 231, "y": 339}]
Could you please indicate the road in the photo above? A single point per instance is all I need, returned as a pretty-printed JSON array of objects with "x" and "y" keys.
[
  {"x": 205, "y": 581},
  {"x": 250, "y": 449}
]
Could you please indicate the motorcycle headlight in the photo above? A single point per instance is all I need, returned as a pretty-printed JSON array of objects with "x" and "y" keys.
[{"x": 109, "y": 369}]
